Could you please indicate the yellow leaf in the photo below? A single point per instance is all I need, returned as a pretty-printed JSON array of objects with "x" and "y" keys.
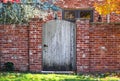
[{"x": 107, "y": 7}]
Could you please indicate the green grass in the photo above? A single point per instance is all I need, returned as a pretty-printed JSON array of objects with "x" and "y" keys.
[{"x": 6, "y": 76}]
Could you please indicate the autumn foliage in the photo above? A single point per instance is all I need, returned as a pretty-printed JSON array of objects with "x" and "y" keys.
[{"x": 107, "y": 7}]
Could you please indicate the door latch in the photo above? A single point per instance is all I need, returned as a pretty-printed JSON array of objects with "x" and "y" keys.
[{"x": 45, "y": 45}]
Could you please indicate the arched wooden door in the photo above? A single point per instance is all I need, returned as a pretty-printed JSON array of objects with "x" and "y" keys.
[{"x": 59, "y": 46}]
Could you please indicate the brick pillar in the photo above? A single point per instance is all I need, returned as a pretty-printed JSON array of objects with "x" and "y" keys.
[
  {"x": 35, "y": 45},
  {"x": 82, "y": 43}
]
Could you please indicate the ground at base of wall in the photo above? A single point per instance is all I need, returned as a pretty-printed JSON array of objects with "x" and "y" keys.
[{"x": 7, "y": 76}]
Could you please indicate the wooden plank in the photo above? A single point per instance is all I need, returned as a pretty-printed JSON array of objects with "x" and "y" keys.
[{"x": 58, "y": 46}]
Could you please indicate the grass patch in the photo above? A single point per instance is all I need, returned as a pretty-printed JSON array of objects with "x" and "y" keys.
[{"x": 6, "y": 76}]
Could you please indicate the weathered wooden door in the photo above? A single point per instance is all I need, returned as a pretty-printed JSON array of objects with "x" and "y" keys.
[{"x": 58, "y": 46}]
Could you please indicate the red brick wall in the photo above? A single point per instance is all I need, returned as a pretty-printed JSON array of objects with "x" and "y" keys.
[
  {"x": 97, "y": 46},
  {"x": 22, "y": 45},
  {"x": 82, "y": 45},
  {"x": 35, "y": 46},
  {"x": 14, "y": 46},
  {"x": 104, "y": 47}
]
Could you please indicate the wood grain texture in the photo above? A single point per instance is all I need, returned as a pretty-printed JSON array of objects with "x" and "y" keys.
[{"x": 58, "y": 46}]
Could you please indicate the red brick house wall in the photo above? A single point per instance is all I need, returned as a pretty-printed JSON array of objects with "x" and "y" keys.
[{"x": 85, "y": 4}]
